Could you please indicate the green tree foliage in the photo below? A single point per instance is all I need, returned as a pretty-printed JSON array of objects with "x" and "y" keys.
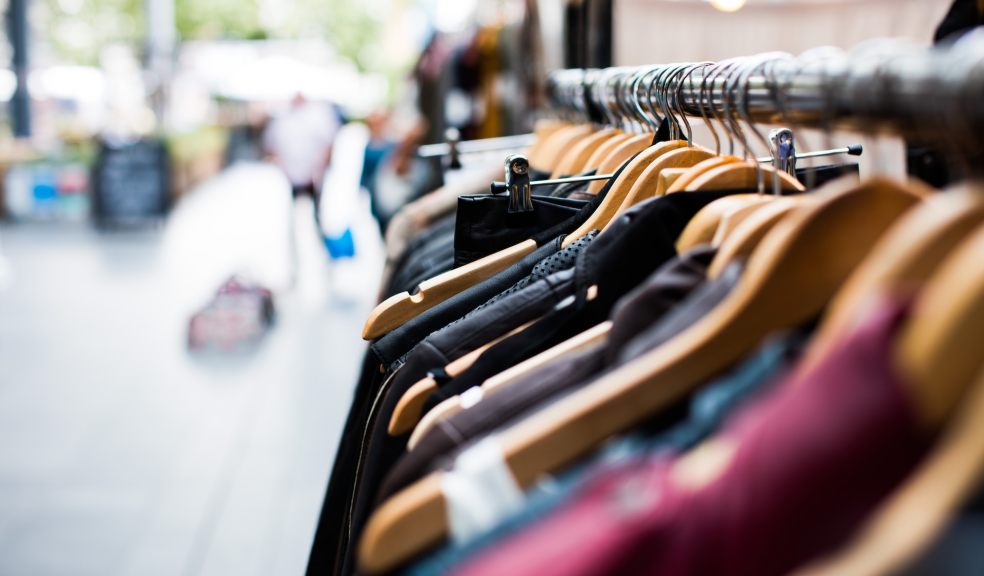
[{"x": 77, "y": 30}]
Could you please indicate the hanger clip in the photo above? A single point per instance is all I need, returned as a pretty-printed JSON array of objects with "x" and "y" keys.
[
  {"x": 783, "y": 148},
  {"x": 517, "y": 169}
]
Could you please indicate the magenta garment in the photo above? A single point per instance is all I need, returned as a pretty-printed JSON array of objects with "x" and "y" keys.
[{"x": 813, "y": 458}]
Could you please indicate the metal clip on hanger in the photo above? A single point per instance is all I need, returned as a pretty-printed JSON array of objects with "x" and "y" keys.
[
  {"x": 783, "y": 149},
  {"x": 517, "y": 168},
  {"x": 518, "y": 182}
]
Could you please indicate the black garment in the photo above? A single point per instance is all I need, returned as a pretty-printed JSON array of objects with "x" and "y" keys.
[
  {"x": 522, "y": 302},
  {"x": 332, "y": 545},
  {"x": 663, "y": 290},
  {"x": 702, "y": 301},
  {"x": 638, "y": 242},
  {"x": 422, "y": 246},
  {"x": 483, "y": 224},
  {"x": 429, "y": 254},
  {"x": 642, "y": 307},
  {"x": 925, "y": 160},
  {"x": 397, "y": 343}
]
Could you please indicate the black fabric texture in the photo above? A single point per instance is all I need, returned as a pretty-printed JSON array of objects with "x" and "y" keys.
[
  {"x": 702, "y": 301},
  {"x": 484, "y": 225},
  {"x": 674, "y": 286},
  {"x": 431, "y": 248},
  {"x": 394, "y": 345},
  {"x": 659, "y": 293},
  {"x": 492, "y": 412},
  {"x": 397, "y": 343},
  {"x": 637, "y": 242},
  {"x": 481, "y": 327}
]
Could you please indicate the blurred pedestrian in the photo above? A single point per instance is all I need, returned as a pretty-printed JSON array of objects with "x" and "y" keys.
[{"x": 299, "y": 141}]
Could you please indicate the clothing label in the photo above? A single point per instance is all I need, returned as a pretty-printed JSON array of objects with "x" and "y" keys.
[{"x": 480, "y": 491}]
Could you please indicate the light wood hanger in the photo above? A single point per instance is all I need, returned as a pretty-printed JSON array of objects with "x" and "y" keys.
[
  {"x": 730, "y": 221},
  {"x": 789, "y": 278},
  {"x": 681, "y": 183},
  {"x": 620, "y": 188},
  {"x": 648, "y": 182},
  {"x": 742, "y": 175},
  {"x": 574, "y": 160},
  {"x": 398, "y": 309},
  {"x": 900, "y": 262},
  {"x": 618, "y": 156},
  {"x": 507, "y": 377},
  {"x": 542, "y": 130},
  {"x": 558, "y": 144},
  {"x": 939, "y": 347},
  {"x": 743, "y": 240},
  {"x": 666, "y": 179},
  {"x": 410, "y": 407},
  {"x": 606, "y": 148},
  {"x": 702, "y": 227}
]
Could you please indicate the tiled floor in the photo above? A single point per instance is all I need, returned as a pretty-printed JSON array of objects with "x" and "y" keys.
[{"x": 122, "y": 454}]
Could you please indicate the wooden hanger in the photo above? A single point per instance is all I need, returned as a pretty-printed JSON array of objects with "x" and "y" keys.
[
  {"x": 618, "y": 156},
  {"x": 939, "y": 348},
  {"x": 666, "y": 179},
  {"x": 702, "y": 227},
  {"x": 398, "y": 309},
  {"x": 745, "y": 237},
  {"x": 681, "y": 183},
  {"x": 901, "y": 262},
  {"x": 789, "y": 278},
  {"x": 542, "y": 130},
  {"x": 606, "y": 148},
  {"x": 558, "y": 144},
  {"x": 620, "y": 188},
  {"x": 504, "y": 379},
  {"x": 742, "y": 175},
  {"x": 730, "y": 221},
  {"x": 408, "y": 410},
  {"x": 574, "y": 160},
  {"x": 646, "y": 185}
]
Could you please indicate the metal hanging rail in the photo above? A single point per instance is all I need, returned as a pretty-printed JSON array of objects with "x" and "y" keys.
[{"x": 881, "y": 87}]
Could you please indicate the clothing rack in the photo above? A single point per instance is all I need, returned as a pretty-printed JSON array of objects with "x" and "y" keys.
[{"x": 885, "y": 86}]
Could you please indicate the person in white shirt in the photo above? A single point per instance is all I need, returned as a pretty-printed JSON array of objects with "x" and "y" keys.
[{"x": 299, "y": 141}]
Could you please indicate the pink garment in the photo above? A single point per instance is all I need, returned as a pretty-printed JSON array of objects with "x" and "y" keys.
[{"x": 813, "y": 458}]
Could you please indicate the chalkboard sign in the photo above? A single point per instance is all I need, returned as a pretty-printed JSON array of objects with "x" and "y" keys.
[{"x": 130, "y": 183}]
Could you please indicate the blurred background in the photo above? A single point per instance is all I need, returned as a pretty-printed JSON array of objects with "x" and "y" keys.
[{"x": 192, "y": 200}]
